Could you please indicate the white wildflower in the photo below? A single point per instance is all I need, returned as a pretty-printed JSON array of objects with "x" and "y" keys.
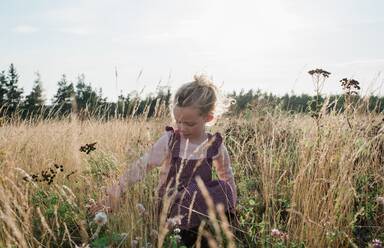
[
  {"x": 134, "y": 243},
  {"x": 172, "y": 222},
  {"x": 101, "y": 218},
  {"x": 376, "y": 243},
  {"x": 380, "y": 200},
  {"x": 178, "y": 238},
  {"x": 140, "y": 208}
]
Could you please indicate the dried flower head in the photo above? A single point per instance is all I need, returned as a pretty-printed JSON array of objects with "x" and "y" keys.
[
  {"x": 47, "y": 175},
  {"x": 350, "y": 86},
  {"x": 87, "y": 148},
  {"x": 319, "y": 72},
  {"x": 101, "y": 218}
]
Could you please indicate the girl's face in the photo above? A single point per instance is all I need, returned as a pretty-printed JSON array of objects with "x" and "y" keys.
[{"x": 190, "y": 122}]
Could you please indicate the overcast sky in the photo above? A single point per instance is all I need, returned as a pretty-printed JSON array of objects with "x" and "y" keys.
[{"x": 259, "y": 44}]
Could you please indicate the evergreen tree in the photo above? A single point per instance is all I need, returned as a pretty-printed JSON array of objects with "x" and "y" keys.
[
  {"x": 64, "y": 96},
  {"x": 13, "y": 94},
  {"x": 3, "y": 88},
  {"x": 35, "y": 101},
  {"x": 87, "y": 99}
]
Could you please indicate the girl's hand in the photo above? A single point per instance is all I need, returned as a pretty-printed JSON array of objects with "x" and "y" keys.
[
  {"x": 97, "y": 207},
  {"x": 108, "y": 204}
]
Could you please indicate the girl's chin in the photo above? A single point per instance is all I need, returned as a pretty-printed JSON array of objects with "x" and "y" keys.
[{"x": 187, "y": 136}]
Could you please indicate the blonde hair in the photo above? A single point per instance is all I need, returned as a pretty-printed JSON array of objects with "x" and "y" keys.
[{"x": 203, "y": 94}]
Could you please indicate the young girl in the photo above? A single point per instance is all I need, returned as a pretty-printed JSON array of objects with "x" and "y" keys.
[{"x": 185, "y": 155}]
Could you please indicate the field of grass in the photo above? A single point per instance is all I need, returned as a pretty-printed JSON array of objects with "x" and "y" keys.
[{"x": 302, "y": 182}]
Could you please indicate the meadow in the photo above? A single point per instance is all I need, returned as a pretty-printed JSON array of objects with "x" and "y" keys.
[{"x": 303, "y": 181}]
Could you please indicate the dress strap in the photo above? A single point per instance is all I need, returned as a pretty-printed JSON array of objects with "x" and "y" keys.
[
  {"x": 169, "y": 128},
  {"x": 174, "y": 141},
  {"x": 216, "y": 141}
]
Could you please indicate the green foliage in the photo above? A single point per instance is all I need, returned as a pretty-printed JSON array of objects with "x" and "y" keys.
[
  {"x": 101, "y": 166},
  {"x": 367, "y": 223},
  {"x": 108, "y": 239},
  {"x": 173, "y": 240},
  {"x": 56, "y": 209}
]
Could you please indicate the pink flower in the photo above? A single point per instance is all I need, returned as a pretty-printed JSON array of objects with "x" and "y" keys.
[
  {"x": 376, "y": 243},
  {"x": 276, "y": 233}
]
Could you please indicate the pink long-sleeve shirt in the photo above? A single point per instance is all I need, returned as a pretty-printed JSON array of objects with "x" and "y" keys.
[{"x": 158, "y": 156}]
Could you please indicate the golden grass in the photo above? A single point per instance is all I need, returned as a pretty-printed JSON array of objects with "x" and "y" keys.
[{"x": 315, "y": 193}]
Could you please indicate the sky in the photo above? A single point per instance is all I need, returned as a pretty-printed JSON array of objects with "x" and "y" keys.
[{"x": 243, "y": 44}]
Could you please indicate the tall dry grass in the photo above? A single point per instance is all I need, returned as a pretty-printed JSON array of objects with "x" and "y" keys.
[{"x": 320, "y": 192}]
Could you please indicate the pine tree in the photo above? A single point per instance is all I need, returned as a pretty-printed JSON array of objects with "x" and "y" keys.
[
  {"x": 13, "y": 94},
  {"x": 64, "y": 96},
  {"x": 3, "y": 88},
  {"x": 86, "y": 97},
  {"x": 35, "y": 101}
]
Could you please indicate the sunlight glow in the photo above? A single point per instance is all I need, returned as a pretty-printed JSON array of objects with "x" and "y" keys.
[{"x": 249, "y": 27}]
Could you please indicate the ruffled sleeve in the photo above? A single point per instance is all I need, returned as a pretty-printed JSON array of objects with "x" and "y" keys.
[
  {"x": 151, "y": 159},
  {"x": 224, "y": 170}
]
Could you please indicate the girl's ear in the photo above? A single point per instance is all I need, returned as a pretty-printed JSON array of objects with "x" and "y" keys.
[{"x": 209, "y": 117}]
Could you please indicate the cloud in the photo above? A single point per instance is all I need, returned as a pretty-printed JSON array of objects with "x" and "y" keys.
[
  {"x": 25, "y": 29},
  {"x": 362, "y": 62},
  {"x": 77, "y": 30}
]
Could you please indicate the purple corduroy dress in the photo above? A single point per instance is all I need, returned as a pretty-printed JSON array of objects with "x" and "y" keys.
[{"x": 191, "y": 206}]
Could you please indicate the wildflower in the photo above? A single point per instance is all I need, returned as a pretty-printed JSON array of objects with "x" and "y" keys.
[
  {"x": 101, "y": 218},
  {"x": 154, "y": 233},
  {"x": 276, "y": 233},
  {"x": 376, "y": 243},
  {"x": 380, "y": 200},
  {"x": 83, "y": 246},
  {"x": 134, "y": 243},
  {"x": 140, "y": 208},
  {"x": 177, "y": 238},
  {"x": 176, "y": 230},
  {"x": 172, "y": 222}
]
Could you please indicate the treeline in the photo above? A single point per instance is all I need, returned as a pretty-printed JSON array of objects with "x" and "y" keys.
[
  {"x": 303, "y": 103},
  {"x": 81, "y": 98}
]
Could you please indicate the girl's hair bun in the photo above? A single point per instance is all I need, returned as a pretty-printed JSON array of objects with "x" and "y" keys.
[{"x": 203, "y": 94}]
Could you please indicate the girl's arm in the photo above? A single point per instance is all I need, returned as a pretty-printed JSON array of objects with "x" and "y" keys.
[
  {"x": 134, "y": 173},
  {"x": 224, "y": 170}
]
